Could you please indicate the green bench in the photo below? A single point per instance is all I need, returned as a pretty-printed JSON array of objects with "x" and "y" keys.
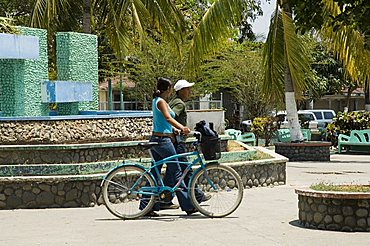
[
  {"x": 283, "y": 135},
  {"x": 358, "y": 140},
  {"x": 247, "y": 137},
  {"x": 234, "y": 134}
]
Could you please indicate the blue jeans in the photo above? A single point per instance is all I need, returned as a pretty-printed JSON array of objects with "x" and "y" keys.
[
  {"x": 164, "y": 149},
  {"x": 180, "y": 149}
]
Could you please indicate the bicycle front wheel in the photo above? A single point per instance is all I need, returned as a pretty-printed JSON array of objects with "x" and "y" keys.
[
  {"x": 216, "y": 191},
  {"x": 124, "y": 192}
]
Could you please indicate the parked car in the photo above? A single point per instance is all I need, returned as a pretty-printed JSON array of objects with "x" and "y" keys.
[
  {"x": 323, "y": 116},
  {"x": 246, "y": 125},
  {"x": 304, "y": 117}
]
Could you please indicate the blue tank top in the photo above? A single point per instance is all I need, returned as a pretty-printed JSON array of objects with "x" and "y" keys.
[{"x": 160, "y": 124}]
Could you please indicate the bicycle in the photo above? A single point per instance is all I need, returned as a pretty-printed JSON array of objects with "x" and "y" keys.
[{"x": 129, "y": 183}]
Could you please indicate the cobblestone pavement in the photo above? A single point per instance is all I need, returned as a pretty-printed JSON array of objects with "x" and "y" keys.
[{"x": 267, "y": 216}]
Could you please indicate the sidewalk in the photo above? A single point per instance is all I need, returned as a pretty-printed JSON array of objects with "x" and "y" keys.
[{"x": 267, "y": 216}]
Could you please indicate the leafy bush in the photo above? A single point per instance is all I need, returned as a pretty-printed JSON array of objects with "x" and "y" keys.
[
  {"x": 264, "y": 127},
  {"x": 6, "y": 26},
  {"x": 345, "y": 122}
]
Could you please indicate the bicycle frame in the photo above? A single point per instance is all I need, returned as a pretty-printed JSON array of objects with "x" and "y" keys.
[{"x": 168, "y": 161}]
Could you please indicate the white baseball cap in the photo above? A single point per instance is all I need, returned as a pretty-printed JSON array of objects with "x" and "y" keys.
[{"x": 182, "y": 84}]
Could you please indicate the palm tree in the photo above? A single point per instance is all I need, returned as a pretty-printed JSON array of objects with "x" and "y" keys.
[
  {"x": 285, "y": 62},
  {"x": 119, "y": 18},
  {"x": 347, "y": 43}
]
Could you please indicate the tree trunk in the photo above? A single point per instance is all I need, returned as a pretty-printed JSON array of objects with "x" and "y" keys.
[
  {"x": 86, "y": 23},
  {"x": 291, "y": 109},
  {"x": 290, "y": 103},
  {"x": 349, "y": 93},
  {"x": 367, "y": 99}
]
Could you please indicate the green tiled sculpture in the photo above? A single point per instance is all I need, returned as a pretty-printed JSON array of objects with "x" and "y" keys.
[{"x": 20, "y": 79}]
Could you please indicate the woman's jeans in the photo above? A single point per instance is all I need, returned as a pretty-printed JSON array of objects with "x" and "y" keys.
[
  {"x": 180, "y": 149},
  {"x": 164, "y": 149}
]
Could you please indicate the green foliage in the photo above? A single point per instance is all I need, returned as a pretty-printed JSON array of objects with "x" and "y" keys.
[
  {"x": 343, "y": 188},
  {"x": 345, "y": 25},
  {"x": 285, "y": 53},
  {"x": 144, "y": 65},
  {"x": 6, "y": 26},
  {"x": 120, "y": 19},
  {"x": 328, "y": 73},
  {"x": 216, "y": 25},
  {"x": 345, "y": 122},
  {"x": 264, "y": 127},
  {"x": 236, "y": 68},
  {"x": 18, "y": 10},
  {"x": 311, "y": 14}
]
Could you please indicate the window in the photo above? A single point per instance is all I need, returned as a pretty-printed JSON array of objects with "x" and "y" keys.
[
  {"x": 318, "y": 115},
  {"x": 328, "y": 115},
  {"x": 306, "y": 117}
]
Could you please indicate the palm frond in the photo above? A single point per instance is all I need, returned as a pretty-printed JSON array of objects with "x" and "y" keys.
[
  {"x": 115, "y": 19},
  {"x": 347, "y": 44},
  {"x": 6, "y": 26},
  {"x": 296, "y": 56},
  {"x": 216, "y": 24},
  {"x": 46, "y": 12},
  {"x": 167, "y": 20},
  {"x": 284, "y": 49},
  {"x": 274, "y": 59}
]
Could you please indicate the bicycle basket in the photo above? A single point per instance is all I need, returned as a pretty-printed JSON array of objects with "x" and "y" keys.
[{"x": 211, "y": 147}]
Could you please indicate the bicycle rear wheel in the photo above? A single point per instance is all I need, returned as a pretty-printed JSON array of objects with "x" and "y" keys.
[
  {"x": 122, "y": 192},
  {"x": 216, "y": 191}
]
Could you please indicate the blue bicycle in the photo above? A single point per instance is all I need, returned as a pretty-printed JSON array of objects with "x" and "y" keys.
[{"x": 126, "y": 185}]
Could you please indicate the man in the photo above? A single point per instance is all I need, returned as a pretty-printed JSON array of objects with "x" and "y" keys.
[{"x": 178, "y": 106}]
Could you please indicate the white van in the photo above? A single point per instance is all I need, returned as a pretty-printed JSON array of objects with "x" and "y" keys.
[
  {"x": 323, "y": 116},
  {"x": 302, "y": 115}
]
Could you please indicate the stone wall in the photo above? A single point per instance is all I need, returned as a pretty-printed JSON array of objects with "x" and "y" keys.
[
  {"x": 75, "y": 131},
  {"x": 306, "y": 151},
  {"x": 334, "y": 214},
  {"x": 49, "y": 194},
  {"x": 262, "y": 174},
  {"x": 85, "y": 191},
  {"x": 77, "y": 153}
]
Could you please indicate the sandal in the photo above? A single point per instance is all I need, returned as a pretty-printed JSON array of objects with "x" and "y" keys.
[
  {"x": 191, "y": 211},
  {"x": 151, "y": 214}
]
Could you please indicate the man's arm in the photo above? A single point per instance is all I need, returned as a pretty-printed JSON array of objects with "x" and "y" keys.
[{"x": 178, "y": 108}]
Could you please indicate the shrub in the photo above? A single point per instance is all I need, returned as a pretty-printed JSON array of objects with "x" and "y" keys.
[
  {"x": 345, "y": 122},
  {"x": 264, "y": 127}
]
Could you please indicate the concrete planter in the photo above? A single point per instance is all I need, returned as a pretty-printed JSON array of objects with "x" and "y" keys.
[
  {"x": 306, "y": 151},
  {"x": 336, "y": 211}
]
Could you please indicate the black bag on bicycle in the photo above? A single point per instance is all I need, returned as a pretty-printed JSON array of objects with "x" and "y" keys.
[{"x": 210, "y": 142}]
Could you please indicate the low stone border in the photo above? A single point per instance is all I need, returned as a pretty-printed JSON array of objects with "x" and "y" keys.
[
  {"x": 82, "y": 129},
  {"x": 85, "y": 191},
  {"x": 338, "y": 211},
  {"x": 306, "y": 151},
  {"x": 77, "y": 153}
]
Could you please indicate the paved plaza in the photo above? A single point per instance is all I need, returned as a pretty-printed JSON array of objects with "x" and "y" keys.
[{"x": 267, "y": 216}]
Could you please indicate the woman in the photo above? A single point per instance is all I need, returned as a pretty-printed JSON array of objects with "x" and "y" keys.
[{"x": 164, "y": 125}]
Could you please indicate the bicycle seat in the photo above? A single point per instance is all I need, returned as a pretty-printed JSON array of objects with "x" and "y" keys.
[{"x": 148, "y": 145}]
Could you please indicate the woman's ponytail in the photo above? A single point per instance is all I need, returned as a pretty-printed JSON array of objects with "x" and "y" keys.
[{"x": 162, "y": 85}]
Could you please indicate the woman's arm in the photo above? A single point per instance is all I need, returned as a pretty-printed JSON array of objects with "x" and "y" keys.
[{"x": 163, "y": 107}]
